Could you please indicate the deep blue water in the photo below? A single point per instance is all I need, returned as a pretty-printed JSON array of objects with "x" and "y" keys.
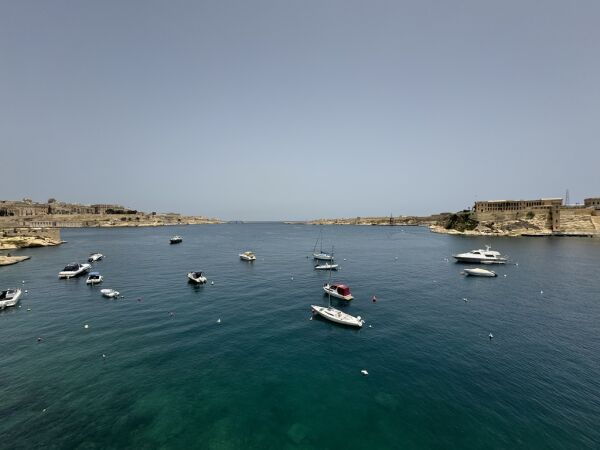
[{"x": 269, "y": 377}]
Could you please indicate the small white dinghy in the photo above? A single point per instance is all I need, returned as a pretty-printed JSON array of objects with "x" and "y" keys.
[
  {"x": 326, "y": 266},
  {"x": 197, "y": 278},
  {"x": 478, "y": 272},
  {"x": 248, "y": 256},
  {"x": 109, "y": 293},
  {"x": 10, "y": 297},
  {"x": 94, "y": 278},
  {"x": 95, "y": 257},
  {"x": 337, "y": 316}
]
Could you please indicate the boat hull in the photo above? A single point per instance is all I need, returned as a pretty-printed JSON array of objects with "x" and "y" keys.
[
  {"x": 12, "y": 301},
  {"x": 478, "y": 260},
  {"x": 199, "y": 280},
  {"x": 110, "y": 293},
  {"x": 337, "y": 316},
  {"x": 335, "y": 294},
  {"x": 326, "y": 267},
  {"x": 75, "y": 273},
  {"x": 480, "y": 273}
]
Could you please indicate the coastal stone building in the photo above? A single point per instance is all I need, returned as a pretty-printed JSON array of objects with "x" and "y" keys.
[
  {"x": 545, "y": 213},
  {"x": 592, "y": 202},
  {"x": 28, "y": 208}
]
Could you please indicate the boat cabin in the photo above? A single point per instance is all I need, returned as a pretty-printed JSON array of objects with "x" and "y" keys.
[
  {"x": 94, "y": 275},
  {"x": 341, "y": 289}
]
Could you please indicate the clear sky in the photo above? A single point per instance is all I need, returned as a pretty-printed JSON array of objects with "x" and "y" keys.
[{"x": 289, "y": 109}]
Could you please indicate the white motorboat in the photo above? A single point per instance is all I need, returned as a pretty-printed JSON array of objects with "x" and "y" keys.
[
  {"x": 176, "y": 240},
  {"x": 248, "y": 256},
  {"x": 74, "y": 270},
  {"x": 109, "y": 293},
  {"x": 326, "y": 266},
  {"x": 10, "y": 297},
  {"x": 486, "y": 256},
  {"x": 478, "y": 272},
  {"x": 94, "y": 278},
  {"x": 338, "y": 291},
  {"x": 337, "y": 316},
  {"x": 95, "y": 257},
  {"x": 197, "y": 277}
]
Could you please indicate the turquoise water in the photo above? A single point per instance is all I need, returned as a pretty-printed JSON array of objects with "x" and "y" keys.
[{"x": 269, "y": 377}]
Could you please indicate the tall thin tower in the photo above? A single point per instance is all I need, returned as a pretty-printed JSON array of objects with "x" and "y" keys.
[{"x": 567, "y": 200}]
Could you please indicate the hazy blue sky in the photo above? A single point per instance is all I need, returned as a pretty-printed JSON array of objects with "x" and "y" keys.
[{"x": 299, "y": 109}]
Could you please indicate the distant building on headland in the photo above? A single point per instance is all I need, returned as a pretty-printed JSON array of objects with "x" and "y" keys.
[
  {"x": 592, "y": 202},
  {"x": 27, "y": 207},
  {"x": 550, "y": 213}
]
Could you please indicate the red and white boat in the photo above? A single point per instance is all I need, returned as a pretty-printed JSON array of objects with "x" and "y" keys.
[{"x": 338, "y": 291}]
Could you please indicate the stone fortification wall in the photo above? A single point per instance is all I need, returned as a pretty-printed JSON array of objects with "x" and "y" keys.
[
  {"x": 576, "y": 220},
  {"x": 540, "y": 217}
]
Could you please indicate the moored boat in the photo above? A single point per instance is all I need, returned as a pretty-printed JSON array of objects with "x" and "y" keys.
[
  {"x": 248, "y": 256},
  {"x": 486, "y": 256},
  {"x": 109, "y": 293},
  {"x": 478, "y": 272},
  {"x": 176, "y": 240},
  {"x": 94, "y": 278},
  {"x": 9, "y": 297},
  {"x": 197, "y": 277},
  {"x": 337, "y": 316},
  {"x": 326, "y": 266},
  {"x": 95, "y": 257},
  {"x": 74, "y": 270},
  {"x": 338, "y": 291}
]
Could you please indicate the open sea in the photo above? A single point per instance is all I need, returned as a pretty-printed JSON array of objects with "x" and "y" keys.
[{"x": 269, "y": 377}]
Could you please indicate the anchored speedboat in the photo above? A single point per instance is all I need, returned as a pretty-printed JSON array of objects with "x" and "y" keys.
[
  {"x": 197, "y": 278},
  {"x": 94, "y": 278},
  {"x": 74, "y": 270},
  {"x": 95, "y": 257},
  {"x": 486, "y": 256},
  {"x": 109, "y": 293},
  {"x": 248, "y": 256},
  {"x": 176, "y": 240},
  {"x": 10, "y": 297}
]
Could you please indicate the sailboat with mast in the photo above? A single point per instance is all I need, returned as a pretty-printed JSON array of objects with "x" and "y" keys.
[
  {"x": 326, "y": 265},
  {"x": 335, "y": 315},
  {"x": 321, "y": 255}
]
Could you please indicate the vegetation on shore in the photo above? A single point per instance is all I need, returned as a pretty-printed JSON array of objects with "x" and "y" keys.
[{"x": 461, "y": 221}]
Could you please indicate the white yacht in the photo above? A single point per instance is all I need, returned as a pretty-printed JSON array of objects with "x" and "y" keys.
[
  {"x": 326, "y": 266},
  {"x": 197, "y": 277},
  {"x": 337, "y": 316},
  {"x": 94, "y": 278},
  {"x": 486, "y": 256},
  {"x": 338, "y": 290},
  {"x": 248, "y": 256},
  {"x": 110, "y": 293},
  {"x": 74, "y": 270},
  {"x": 478, "y": 272},
  {"x": 10, "y": 297}
]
